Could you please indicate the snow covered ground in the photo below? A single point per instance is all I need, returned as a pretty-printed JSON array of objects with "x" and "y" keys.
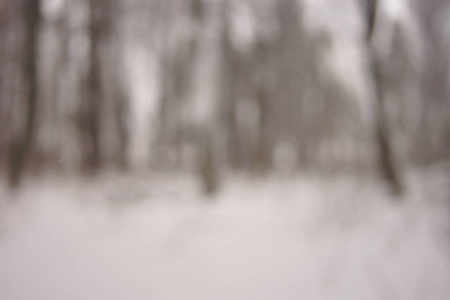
[{"x": 153, "y": 237}]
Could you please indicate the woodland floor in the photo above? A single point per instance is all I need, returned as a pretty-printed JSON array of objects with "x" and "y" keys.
[{"x": 154, "y": 237}]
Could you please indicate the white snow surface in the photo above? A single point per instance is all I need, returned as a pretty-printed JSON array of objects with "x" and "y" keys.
[{"x": 154, "y": 237}]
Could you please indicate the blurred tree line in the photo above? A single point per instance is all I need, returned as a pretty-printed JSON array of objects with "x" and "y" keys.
[{"x": 220, "y": 86}]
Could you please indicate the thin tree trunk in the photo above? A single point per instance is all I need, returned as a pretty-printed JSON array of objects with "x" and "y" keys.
[
  {"x": 229, "y": 80},
  {"x": 206, "y": 131},
  {"x": 91, "y": 102},
  {"x": 22, "y": 144},
  {"x": 261, "y": 154},
  {"x": 207, "y": 162},
  {"x": 388, "y": 164}
]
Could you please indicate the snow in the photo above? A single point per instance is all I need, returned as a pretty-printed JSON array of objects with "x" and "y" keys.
[{"x": 292, "y": 237}]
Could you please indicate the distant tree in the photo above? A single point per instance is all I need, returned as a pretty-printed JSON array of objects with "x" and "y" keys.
[
  {"x": 262, "y": 152},
  {"x": 207, "y": 127},
  {"x": 231, "y": 64},
  {"x": 103, "y": 102},
  {"x": 6, "y": 16},
  {"x": 22, "y": 142},
  {"x": 388, "y": 164},
  {"x": 91, "y": 98},
  {"x": 434, "y": 139}
]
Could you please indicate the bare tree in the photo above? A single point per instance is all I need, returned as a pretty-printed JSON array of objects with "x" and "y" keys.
[
  {"x": 98, "y": 105},
  {"x": 206, "y": 131},
  {"x": 22, "y": 143},
  {"x": 229, "y": 87},
  {"x": 434, "y": 140},
  {"x": 388, "y": 164}
]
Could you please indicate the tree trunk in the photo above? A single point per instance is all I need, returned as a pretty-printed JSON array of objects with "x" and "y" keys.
[
  {"x": 207, "y": 163},
  {"x": 388, "y": 165},
  {"x": 387, "y": 162},
  {"x": 91, "y": 104},
  {"x": 22, "y": 144}
]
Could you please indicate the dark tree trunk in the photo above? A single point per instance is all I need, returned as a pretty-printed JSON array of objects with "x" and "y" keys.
[
  {"x": 91, "y": 104},
  {"x": 388, "y": 164},
  {"x": 228, "y": 89},
  {"x": 261, "y": 154},
  {"x": 207, "y": 162},
  {"x": 206, "y": 131},
  {"x": 21, "y": 145},
  {"x": 121, "y": 114}
]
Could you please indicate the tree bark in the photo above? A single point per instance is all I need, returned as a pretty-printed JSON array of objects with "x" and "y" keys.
[
  {"x": 387, "y": 161},
  {"x": 91, "y": 104},
  {"x": 23, "y": 142}
]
